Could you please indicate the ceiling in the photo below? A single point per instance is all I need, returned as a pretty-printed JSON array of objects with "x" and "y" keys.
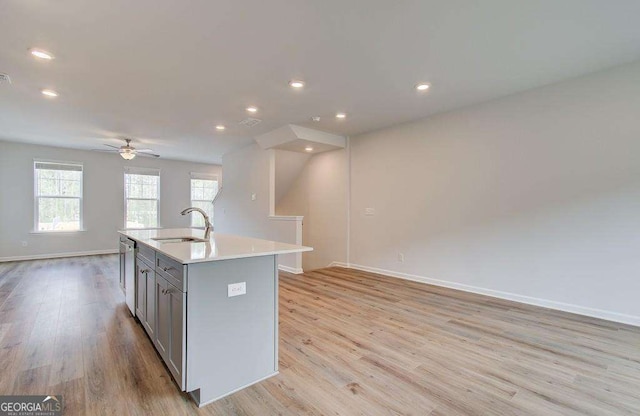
[{"x": 166, "y": 72}]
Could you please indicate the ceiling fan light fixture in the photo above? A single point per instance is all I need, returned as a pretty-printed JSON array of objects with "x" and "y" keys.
[{"x": 127, "y": 154}]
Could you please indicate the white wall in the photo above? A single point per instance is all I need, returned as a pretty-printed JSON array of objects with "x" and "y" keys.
[
  {"x": 251, "y": 171},
  {"x": 288, "y": 166},
  {"x": 533, "y": 197},
  {"x": 536, "y": 195},
  {"x": 320, "y": 195},
  {"x": 287, "y": 230},
  {"x": 246, "y": 172},
  {"x": 103, "y": 202}
]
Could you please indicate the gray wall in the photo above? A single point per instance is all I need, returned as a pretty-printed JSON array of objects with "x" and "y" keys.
[
  {"x": 103, "y": 198},
  {"x": 535, "y": 196}
]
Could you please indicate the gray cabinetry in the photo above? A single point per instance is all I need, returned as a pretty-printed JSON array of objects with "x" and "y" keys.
[
  {"x": 141, "y": 289},
  {"x": 178, "y": 336},
  {"x": 170, "y": 337},
  {"x": 150, "y": 307},
  {"x": 163, "y": 316},
  {"x": 145, "y": 294},
  {"x": 213, "y": 341}
]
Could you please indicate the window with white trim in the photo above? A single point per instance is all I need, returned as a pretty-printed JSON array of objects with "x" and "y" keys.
[
  {"x": 142, "y": 198},
  {"x": 203, "y": 189},
  {"x": 58, "y": 196}
]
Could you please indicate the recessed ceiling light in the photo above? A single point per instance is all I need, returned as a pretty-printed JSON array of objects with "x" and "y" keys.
[
  {"x": 422, "y": 86},
  {"x": 316, "y": 118},
  {"x": 49, "y": 93},
  {"x": 309, "y": 149},
  {"x": 294, "y": 83},
  {"x": 220, "y": 127},
  {"x": 252, "y": 109},
  {"x": 341, "y": 115},
  {"x": 39, "y": 53}
]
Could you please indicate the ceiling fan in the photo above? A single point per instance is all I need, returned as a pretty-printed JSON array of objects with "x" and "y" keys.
[{"x": 127, "y": 151}]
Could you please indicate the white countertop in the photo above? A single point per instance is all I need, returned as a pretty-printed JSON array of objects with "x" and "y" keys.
[{"x": 219, "y": 246}]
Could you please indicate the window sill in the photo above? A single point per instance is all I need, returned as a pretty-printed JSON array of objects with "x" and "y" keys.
[
  {"x": 57, "y": 232},
  {"x": 150, "y": 228}
]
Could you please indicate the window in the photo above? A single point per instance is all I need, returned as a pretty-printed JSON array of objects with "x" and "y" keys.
[
  {"x": 58, "y": 196},
  {"x": 142, "y": 197},
  {"x": 203, "y": 189}
]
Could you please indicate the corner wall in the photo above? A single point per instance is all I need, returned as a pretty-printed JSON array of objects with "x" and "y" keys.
[
  {"x": 320, "y": 194},
  {"x": 246, "y": 174},
  {"x": 103, "y": 200},
  {"x": 245, "y": 205},
  {"x": 533, "y": 197}
]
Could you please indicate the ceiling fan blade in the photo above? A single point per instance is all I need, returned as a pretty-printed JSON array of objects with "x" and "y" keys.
[
  {"x": 105, "y": 150},
  {"x": 147, "y": 154},
  {"x": 144, "y": 150},
  {"x": 115, "y": 147}
]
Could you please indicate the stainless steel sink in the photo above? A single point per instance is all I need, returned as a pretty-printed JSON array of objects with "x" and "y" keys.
[{"x": 179, "y": 240}]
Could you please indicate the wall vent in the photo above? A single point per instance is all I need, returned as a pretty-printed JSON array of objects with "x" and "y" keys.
[
  {"x": 4, "y": 79},
  {"x": 250, "y": 122}
]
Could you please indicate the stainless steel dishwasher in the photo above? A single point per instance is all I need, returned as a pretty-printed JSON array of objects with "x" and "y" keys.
[{"x": 128, "y": 272}]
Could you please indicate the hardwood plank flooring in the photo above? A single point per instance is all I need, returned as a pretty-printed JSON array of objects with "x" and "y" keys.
[{"x": 351, "y": 343}]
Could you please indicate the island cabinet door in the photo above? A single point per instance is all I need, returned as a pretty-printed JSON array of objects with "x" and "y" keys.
[
  {"x": 141, "y": 290},
  {"x": 150, "y": 303},
  {"x": 178, "y": 338},
  {"x": 163, "y": 317},
  {"x": 170, "y": 327}
]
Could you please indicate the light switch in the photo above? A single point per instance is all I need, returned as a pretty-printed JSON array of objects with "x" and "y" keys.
[
  {"x": 369, "y": 212},
  {"x": 236, "y": 289},
  {"x": 253, "y": 197}
]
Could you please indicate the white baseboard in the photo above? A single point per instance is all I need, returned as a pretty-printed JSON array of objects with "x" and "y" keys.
[
  {"x": 290, "y": 269},
  {"x": 58, "y": 255},
  {"x": 545, "y": 303}
]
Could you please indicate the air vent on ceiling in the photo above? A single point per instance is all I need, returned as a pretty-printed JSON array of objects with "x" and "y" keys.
[
  {"x": 4, "y": 79},
  {"x": 250, "y": 122}
]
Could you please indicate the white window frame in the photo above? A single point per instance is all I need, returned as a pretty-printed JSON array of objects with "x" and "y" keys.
[
  {"x": 141, "y": 171},
  {"x": 202, "y": 176},
  {"x": 36, "y": 197}
]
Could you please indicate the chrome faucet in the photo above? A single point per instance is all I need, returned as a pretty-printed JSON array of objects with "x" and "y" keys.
[{"x": 207, "y": 224}]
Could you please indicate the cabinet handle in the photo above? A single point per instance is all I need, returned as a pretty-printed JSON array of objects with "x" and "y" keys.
[
  {"x": 145, "y": 271},
  {"x": 166, "y": 291},
  {"x": 167, "y": 268}
]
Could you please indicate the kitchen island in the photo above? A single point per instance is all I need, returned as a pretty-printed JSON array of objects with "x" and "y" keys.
[{"x": 210, "y": 307}]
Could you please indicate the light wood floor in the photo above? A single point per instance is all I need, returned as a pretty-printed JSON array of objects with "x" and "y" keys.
[{"x": 351, "y": 343}]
